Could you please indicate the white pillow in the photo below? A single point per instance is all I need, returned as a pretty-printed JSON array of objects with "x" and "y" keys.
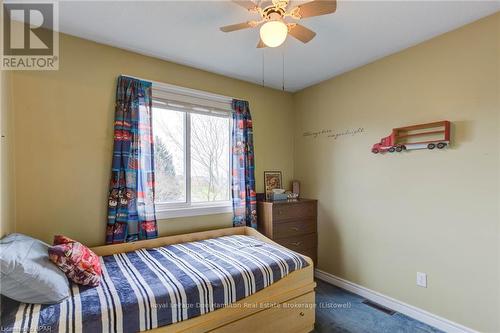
[{"x": 26, "y": 273}]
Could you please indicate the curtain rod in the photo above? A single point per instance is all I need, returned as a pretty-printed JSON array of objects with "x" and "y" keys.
[{"x": 189, "y": 91}]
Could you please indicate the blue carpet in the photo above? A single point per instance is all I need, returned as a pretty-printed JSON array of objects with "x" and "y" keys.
[{"x": 339, "y": 311}]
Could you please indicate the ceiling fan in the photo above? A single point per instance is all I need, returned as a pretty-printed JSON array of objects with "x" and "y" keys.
[{"x": 274, "y": 28}]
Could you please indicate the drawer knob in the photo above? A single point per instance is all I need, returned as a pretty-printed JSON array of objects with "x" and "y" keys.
[
  {"x": 295, "y": 228},
  {"x": 296, "y": 243}
]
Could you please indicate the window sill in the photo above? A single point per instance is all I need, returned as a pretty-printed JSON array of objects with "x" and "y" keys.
[{"x": 170, "y": 213}]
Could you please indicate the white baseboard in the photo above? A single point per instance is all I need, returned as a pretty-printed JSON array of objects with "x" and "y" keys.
[{"x": 406, "y": 309}]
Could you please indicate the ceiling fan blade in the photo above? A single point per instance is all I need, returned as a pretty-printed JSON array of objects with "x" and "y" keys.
[
  {"x": 261, "y": 44},
  {"x": 317, "y": 8},
  {"x": 239, "y": 26},
  {"x": 247, "y": 4},
  {"x": 300, "y": 32}
]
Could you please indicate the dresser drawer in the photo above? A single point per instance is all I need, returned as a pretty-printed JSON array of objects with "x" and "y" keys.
[
  {"x": 294, "y": 211},
  {"x": 294, "y": 228},
  {"x": 298, "y": 243}
]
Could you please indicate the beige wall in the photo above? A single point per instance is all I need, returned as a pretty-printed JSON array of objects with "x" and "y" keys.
[
  {"x": 383, "y": 218},
  {"x": 64, "y": 137},
  {"x": 7, "y": 220}
]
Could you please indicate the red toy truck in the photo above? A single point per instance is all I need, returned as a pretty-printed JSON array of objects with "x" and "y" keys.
[{"x": 430, "y": 136}]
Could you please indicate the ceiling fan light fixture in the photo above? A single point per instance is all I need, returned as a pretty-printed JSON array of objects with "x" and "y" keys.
[{"x": 273, "y": 33}]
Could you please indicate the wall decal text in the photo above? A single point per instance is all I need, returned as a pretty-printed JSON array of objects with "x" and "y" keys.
[{"x": 332, "y": 134}]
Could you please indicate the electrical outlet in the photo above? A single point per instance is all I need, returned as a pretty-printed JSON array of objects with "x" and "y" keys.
[{"x": 421, "y": 279}]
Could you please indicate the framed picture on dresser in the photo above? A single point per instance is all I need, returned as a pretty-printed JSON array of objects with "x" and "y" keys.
[{"x": 272, "y": 180}]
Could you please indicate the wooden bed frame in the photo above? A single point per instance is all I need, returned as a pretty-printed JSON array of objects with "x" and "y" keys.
[{"x": 285, "y": 306}]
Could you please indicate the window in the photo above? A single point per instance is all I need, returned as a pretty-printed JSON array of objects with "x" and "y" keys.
[{"x": 192, "y": 156}]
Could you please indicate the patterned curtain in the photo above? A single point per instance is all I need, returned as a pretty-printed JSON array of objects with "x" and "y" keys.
[
  {"x": 131, "y": 210},
  {"x": 243, "y": 175}
]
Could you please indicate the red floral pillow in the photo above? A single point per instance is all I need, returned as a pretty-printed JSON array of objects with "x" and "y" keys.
[{"x": 77, "y": 261}]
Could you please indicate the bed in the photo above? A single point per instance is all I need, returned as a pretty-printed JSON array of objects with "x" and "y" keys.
[{"x": 224, "y": 280}]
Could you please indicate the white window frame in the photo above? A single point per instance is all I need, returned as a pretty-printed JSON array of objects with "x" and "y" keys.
[{"x": 163, "y": 91}]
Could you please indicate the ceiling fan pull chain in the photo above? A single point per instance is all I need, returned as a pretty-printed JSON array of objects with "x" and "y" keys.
[
  {"x": 263, "y": 82},
  {"x": 283, "y": 62}
]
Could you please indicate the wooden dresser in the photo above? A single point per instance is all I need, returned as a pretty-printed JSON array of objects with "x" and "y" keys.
[{"x": 290, "y": 223}]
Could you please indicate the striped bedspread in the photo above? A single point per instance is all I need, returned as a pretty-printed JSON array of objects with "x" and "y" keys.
[{"x": 150, "y": 288}]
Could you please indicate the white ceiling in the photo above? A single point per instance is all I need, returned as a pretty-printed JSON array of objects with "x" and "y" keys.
[{"x": 186, "y": 32}]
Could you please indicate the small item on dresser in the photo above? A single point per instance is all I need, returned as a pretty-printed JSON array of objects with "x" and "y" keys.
[
  {"x": 279, "y": 196},
  {"x": 78, "y": 262},
  {"x": 296, "y": 188}
]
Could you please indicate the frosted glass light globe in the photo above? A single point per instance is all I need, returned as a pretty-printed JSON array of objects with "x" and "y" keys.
[{"x": 273, "y": 33}]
